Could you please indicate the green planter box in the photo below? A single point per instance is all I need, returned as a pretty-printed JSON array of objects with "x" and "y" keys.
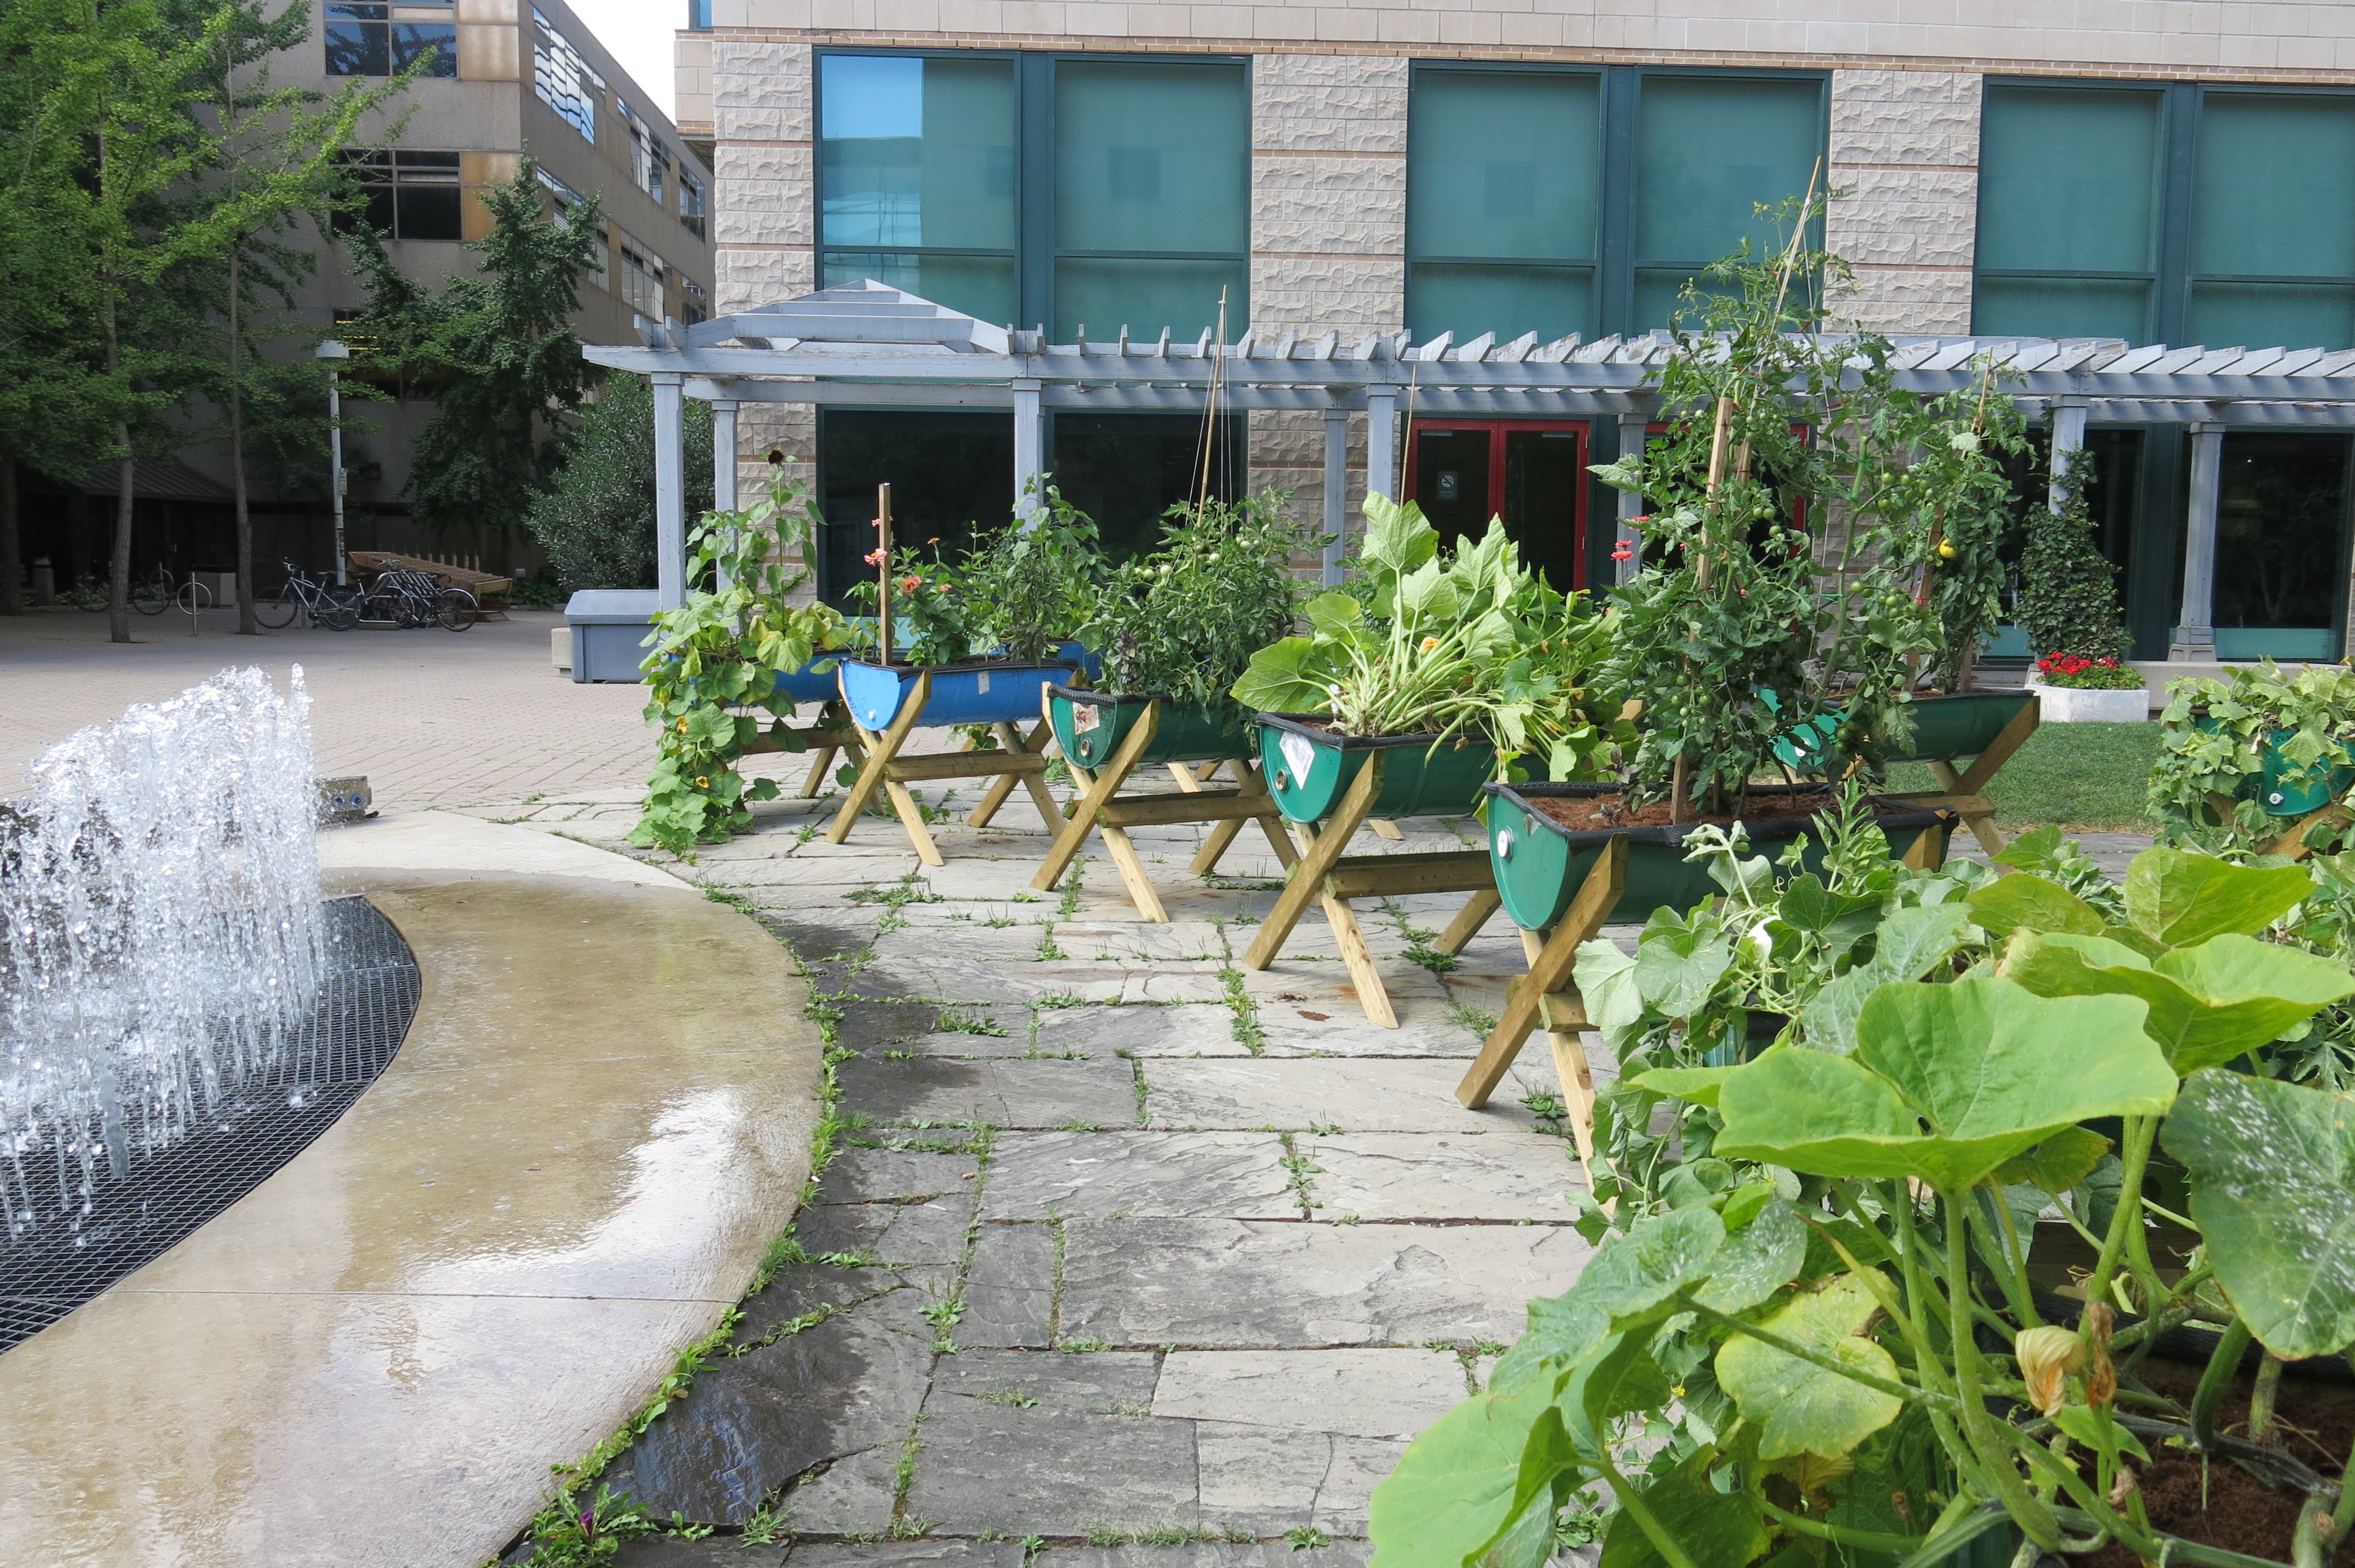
[
  {"x": 1955, "y": 725},
  {"x": 1091, "y": 726},
  {"x": 1539, "y": 864},
  {"x": 1309, "y": 770}
]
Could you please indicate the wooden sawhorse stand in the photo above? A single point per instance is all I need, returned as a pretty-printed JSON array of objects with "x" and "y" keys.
[
  {"x": 1965, "y": 793},
  {"x": 1325, "y": 873},
  {"x": 1020, "y": 761},
  {"x": 831, "y": 736},
  {"x": 1100, "y": 808}
]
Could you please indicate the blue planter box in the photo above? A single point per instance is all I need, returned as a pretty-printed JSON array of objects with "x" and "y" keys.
[
  {"x": 982, "y": 690},
  {"x": 609, "y": 633},
  {"x": 815, "y": 682}
]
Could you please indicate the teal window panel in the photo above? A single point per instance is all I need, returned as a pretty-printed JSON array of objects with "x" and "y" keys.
[
  {"x": 916, "y": 152},
  {"x": 2273, "y": 315},
  {"x": 1709, "y": 151},
  {"x": 1468, "y": 298},
  {"x": 1503, "y": 164},
  {"x": 980, "y": 286},
  {"x": 2062, "y": 307},
  {"x": 1151, "y": 156},
  {"x": 1146, "y": 294},
  {"x": 2276, "y": 186},
  {"x": 2069, "y": 180}
]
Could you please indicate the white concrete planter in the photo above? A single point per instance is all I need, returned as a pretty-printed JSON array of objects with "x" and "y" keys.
[{"x": 2067, "y": 705}]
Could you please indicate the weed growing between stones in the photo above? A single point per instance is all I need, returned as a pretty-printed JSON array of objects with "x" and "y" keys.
[
  {"x": 1419, "y": 951},
  {"x": 1137, "y": 1068},
  {"x": 1049, "y": 952},
  {"x": 956, "y": 1021},
  {"x": 1055, "y": 1286},
  {"x": 1247, "y": 1032},
  {"x": 1464, "y": 1015},
  {"x": 897, "y": 896},
  {"x": 1067, "y": 908},
  {"x": 1306, "y": 1537},
  {"x": 1299, "y": 1167}
]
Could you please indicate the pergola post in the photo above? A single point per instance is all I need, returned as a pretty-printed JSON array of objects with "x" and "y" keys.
[
  {"x": 1029, "y": 450},
  {"x": 2195, "y": 630},
  {"x": 2067, "y": 416},
  {"x": 723, "y": 458},
  {"x": 1634, "y": 426},
  {"x": 1337, "y": 492},
  {"x": 1381, "y": 441},
  {"x": 670, "y": 492}
]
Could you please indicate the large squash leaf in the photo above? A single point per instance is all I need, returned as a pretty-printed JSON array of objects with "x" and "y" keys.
[
  {"x": 1455, "y": 1488},
  {"x": 2273, "y": 1188},
  {"x": 2179, "y": 898},
  {"x": 1629, "y": 1278},
  {"x": 1948, "y": 1082},
  {"x": 2208, "y": 1003},
  {"x": 1800, "y": 1407},
  {"x": 1716, "y": 1530},
  {"x": 2021, "y": 900}
]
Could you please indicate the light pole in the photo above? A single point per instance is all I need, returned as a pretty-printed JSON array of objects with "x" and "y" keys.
[{"x": 332, "y": 351}]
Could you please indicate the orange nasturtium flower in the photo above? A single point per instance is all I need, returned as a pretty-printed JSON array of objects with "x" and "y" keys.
[{"x": 703, "y": 783}]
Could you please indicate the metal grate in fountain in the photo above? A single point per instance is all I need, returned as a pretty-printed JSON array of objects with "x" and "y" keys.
[{"x": 60, "y": 1260}]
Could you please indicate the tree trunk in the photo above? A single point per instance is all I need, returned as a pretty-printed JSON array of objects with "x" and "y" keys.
[
  {"x": 246, "y": 626},
  {"x": 11, "y": 544},
  {"x": 118, "y": 571}
]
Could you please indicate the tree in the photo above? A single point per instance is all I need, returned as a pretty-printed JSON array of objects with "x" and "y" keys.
[
  {"x": 2068, "y": 599},
  {"x": 596, "y": 519},
  {"x": 496, "y": 353}
]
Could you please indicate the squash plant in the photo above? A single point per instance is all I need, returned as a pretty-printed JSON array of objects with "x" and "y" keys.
[
  {"x": 715, "y": 666},
  {"x": 1742, "y": 626},
  {"x": 2217, "y": 738},
  {"x": 1809, "y": 1333},
  {"x": 1467, "y": 642}
]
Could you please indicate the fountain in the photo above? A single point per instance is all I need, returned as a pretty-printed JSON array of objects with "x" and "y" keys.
[{"x": 175, "y": 997}]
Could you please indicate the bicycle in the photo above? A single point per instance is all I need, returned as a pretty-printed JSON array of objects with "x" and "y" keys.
[
  {"x": 404, "y": 595},
  {"x": 155, "y": 595},
  {"x": 337, "y": 610}
]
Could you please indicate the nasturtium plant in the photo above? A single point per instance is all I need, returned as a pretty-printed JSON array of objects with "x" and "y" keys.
[
  {"x": 715, "y": 666},
  {"x": 2225, "y": 746}
]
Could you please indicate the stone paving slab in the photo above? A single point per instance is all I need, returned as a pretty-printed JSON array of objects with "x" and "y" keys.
[
  {"x": 1185, "y": 1029},
  {"x": 1442, "y": 1176},
  {"x": 1059, "y": 1175},
  {"x": 1362, "y": 1095},
  {"x": 997, "y": 1092}
]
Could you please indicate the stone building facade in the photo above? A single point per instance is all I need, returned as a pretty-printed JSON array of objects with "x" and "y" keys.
[{"x": 1909, "y": 95}]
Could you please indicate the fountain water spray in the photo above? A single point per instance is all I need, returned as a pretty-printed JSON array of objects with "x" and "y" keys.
[{"x": 159, "y": 891}]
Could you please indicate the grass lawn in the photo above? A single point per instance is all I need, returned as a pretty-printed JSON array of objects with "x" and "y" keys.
[{"x": 2088, "y": 778}]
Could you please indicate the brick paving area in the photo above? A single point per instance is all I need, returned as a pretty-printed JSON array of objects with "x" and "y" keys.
[{"x": 1125, "y": 1252}]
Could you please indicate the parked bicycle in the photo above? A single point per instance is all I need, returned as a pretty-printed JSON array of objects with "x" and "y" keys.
[
  {"x": 336, "y": 608},
  {"x": 160, "y": 592},
  {"x": 402, "y": 595}
]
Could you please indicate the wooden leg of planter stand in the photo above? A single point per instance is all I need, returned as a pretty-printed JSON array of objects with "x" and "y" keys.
[
  {"x": 1308, "y": 878},
  {"x": 2293, "y": 842},
  {"x": 1549, "y": 972},
  {"x": 1385, "y": 829},
  {"x": 880, "y": 750},
  {"x": 1468, "y": 920},
  {"x": 1928, "y": 849},
  {"x": 1125, "y": 859},
  {"x": 1985, "y": 766},
  {"x": 912, "y": 817},
  {"x": 833, "y": 716},
  {"x": 1564, "y": 1027},
  {"x": 1107, "y": 784},
  {"x": 1188, "y": 779},
  {"x": 1003, "y": 785},
  {"x": 1222, "y": 834}
]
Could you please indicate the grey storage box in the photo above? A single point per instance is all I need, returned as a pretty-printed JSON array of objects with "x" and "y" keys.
[{"x": 609, "y": 632}]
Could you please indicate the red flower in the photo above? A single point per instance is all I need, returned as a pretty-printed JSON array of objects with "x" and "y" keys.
[
  {"x": 875, "y": 557},
  {"x": 1624, "y": 553}
]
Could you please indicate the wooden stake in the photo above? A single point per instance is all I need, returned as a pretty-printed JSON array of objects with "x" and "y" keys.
[
  {"x": 883, "y": 574},
  {"x": 1679, "y": 785}
]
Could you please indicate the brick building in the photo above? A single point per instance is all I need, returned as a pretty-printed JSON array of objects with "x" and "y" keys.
[{"x": 2161, "y": 171}]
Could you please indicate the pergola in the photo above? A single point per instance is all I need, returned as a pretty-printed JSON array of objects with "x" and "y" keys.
[{"x": 867, "y": 344}]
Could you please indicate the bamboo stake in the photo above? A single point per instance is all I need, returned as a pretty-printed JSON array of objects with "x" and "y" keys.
[
  {"x": 1679, "y": 786},
  {"x": 883, "y": 574},
  {"x": 1210, "y": 408}
]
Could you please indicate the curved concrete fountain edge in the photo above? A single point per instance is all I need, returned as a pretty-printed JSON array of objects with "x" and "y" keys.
[{"x": 599, "y": 1121}]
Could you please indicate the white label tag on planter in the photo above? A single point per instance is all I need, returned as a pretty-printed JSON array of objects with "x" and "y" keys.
[
  {"x": 1299, "y": 753},
  {"x": 1086, "y": 717},
  {"x": 984, "y": 687}
]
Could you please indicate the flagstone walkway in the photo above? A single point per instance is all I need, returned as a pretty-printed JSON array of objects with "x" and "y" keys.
[{"x": 1124, "y": 1252}]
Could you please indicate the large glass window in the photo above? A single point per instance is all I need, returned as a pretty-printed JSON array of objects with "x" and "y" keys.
[
  {"x": 1710, "y": 151},
  {"x": 2273, "y": 237},
  {"x": 1518, "y": 219},
  {"x": 562, "y": 79},
  {"x": 2281, "y": 546},
  {"x": 369, "y": 38},
  {"x": 1135, "y": 210},
  {"x": 1504, "y": 180},
  {"x": 1150, "y": 158},
  {"x": 2068, "y": 212},
  {"x": 916, "y": 165},
  {"x": 948, "y": 473},
  {"x": 404, "y": 194}
]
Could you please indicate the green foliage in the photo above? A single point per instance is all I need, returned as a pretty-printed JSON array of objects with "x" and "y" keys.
[
  {"x": 596, "y": 519},
  {"x": 496, "y": 353},
  {"x": 1184, "y": 621},
  {"x": 1468, "y": 643},
  {"x": 2068, "y": 601},
  {"x": 1725, "y": 634},
  {"x": 1025, "y": 590},
  {"x": 1780, "y": 1351},
  {"x": 715, "y": 666},
  {"x": 2207, "y": 785}
]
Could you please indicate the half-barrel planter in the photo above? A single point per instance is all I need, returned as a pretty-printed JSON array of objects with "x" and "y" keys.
[
  {"x": 1329, "y": 784},
  {"x": 1561, "y": 885},
  {"x": 1106, "y": 738},
  {"x": 886, "y": 702},
  {"x": 833, "y": 734},
  {"x": 1987, "y": 726}
]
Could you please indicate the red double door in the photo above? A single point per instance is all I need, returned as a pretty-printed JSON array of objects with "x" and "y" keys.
[{"x": 1530, "y": 473}]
